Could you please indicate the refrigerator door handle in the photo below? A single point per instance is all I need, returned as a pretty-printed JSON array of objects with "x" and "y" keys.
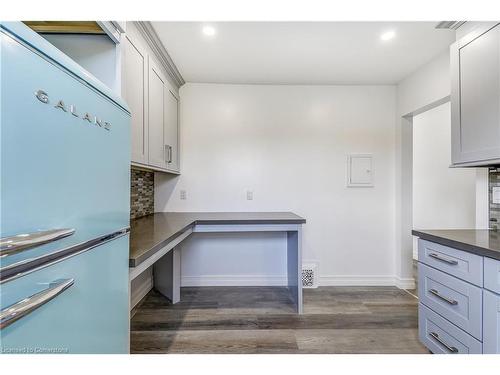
[
  {"x": 14, "y": 244},
  {"x": 27, "y": 305}
]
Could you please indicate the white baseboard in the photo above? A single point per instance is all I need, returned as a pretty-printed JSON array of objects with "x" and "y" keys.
[
  {"x": 234, "y": 280},
  {"x": 353, "y": 280},
  {"x": 407, "y": 283},
  {"x": 264, "y": 280},
  {"x": 375, "y": 280}
]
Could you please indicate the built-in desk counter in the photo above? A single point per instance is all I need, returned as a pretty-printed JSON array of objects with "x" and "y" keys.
[{"x": 153, "y": 237}]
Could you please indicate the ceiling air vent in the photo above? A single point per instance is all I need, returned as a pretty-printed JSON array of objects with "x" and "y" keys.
[{"x": 449, "y": 25}]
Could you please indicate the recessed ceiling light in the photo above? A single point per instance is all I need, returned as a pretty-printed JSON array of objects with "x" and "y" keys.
[
  {"x": 388, "y": 35},
  {"x": 208, "y": 30}
]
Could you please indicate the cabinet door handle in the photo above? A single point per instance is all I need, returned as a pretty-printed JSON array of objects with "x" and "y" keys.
[
  {"x": 436, "y": 337},
  {"x": 27, "y": 305},
  {"x": 449, "y": 300},
  {"x": 449, "y": 261},
  {"x": 14, "y": 244},
  {"x": 168, "y": 153}
]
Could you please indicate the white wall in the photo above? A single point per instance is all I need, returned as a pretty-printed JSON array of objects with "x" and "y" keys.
[
  {"x": 289, "y": 145},
  {"x": 249, "y": 259},
  {"x": 428, "y": 84},
  {"x": 420, "y": 91},
  {"x": 443, "y": 197}
]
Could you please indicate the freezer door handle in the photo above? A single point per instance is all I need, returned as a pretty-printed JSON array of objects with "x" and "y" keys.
[
  {"x": 27, "y": 305},
  {"x": 14, "y": 244}
]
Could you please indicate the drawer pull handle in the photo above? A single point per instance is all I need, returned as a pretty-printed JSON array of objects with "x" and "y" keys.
[
  {"x": 14, "y": 244},
  {"x": 449, "y": 300},
  {"x": 449, "y": 261},
  {"x": 27, "y": 305},
  {"x": 436, "y": 337}
]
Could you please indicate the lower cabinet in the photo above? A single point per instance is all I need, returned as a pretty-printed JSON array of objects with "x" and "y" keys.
[
  {"x": 491, "y": 341},
  {"x": 456, "y": 316},
  {"x": 492, "y": 275}
]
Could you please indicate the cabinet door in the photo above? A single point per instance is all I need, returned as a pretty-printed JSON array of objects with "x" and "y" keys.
[
  {"x": 492, "y": 274},
  {"x": 491, "y": 323},
  {"x": 134, "y": 89},
  {"x": 157, "y": 81},
  {"x": 475, "y": 97},
  {"x": 172, "y": 130}
]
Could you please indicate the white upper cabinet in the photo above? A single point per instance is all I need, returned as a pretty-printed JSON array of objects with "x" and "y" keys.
[
  {"x": 475, "y": 97},
  {"x": 134, "y": 90},
  {"x": 156, "y": 111},
  {"x": 172, "y": 130},
  {"x": 154, "y": 104}
]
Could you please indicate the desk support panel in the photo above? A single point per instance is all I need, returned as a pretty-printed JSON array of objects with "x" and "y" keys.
[
  {"x": 167, "y": 275},
  {"x": 294, "y": 266}
]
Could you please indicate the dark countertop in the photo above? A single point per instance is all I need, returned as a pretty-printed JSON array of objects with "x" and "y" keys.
[
  {"x": 482, "y": 242},
  {"x": 150, "y": 233}
]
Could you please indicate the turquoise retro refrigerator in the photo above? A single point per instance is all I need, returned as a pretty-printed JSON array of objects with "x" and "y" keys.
[{"x": 64, "y": 207}]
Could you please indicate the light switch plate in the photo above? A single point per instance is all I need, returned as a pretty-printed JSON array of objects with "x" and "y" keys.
[{"x": 496, "y": 194}]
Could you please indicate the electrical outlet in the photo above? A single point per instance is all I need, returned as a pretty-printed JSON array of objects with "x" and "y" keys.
[
  {"x": 183, "y": 195},
  {"x": 249, "y": 195}
]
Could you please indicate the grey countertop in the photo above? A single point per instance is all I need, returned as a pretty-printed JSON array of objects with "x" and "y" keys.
[
  {"x": 482, "y": 242},
  {"x": 150, "y": 233}
]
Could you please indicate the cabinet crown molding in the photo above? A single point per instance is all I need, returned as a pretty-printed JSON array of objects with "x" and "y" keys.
[{"x": 149, "y": 34}]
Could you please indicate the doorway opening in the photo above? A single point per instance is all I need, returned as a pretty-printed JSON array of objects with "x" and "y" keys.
[{"x": 442, "y": 197}]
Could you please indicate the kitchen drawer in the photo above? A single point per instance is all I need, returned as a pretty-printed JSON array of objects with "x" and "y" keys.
[
  {"x": 442, "y": 337},
  {"x": 491, "y": 308},
  {"x": 492, "y": 274},
  {"x": 465, "y": 266},
  {"x": 455, "y": 300}
]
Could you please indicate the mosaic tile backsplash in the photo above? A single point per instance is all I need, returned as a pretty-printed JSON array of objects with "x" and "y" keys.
[
  {"x": 142, "y": 193},
  {"x": 494, "y": 181}
]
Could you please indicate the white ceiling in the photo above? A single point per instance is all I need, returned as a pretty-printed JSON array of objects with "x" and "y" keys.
[{"x": 301, "y": 52}]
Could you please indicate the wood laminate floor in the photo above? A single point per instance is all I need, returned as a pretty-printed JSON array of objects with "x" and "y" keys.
[{"x": 262, "y": 320}]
